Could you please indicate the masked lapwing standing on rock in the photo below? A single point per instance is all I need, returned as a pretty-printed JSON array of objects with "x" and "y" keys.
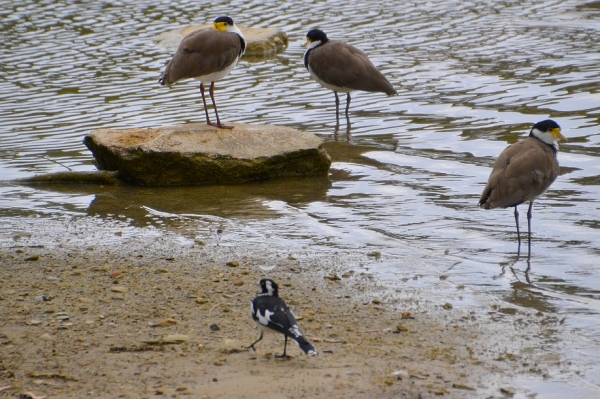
[
  {"x": 271, "y": 314},
  {"x": 342, "y": 68},
  {"x": 524, "y": 171},
  {"x": 207, "y": 55}
]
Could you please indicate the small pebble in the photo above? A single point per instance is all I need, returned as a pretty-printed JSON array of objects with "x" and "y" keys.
[
  {"x": 462, "y": 386},
  {"x": 116, "y": 275},
  {"x": 176, "y": 338},
  {"x": 42, "y": 298},
  {"x": 47, "y": 337},
  {"x": 214, "y": 327}
]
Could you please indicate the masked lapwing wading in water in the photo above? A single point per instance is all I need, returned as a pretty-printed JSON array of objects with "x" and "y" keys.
[
  {"x": 524, "y": 171},
  {"x": 342, "y": 68},
  {"x": 207, "y": 55},
  {"x": 271, "y": 314}
]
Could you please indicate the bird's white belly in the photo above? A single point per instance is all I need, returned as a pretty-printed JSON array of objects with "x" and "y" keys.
[
  {"x": 213, "y": 77},
  {"x": 327, "y": 85}
]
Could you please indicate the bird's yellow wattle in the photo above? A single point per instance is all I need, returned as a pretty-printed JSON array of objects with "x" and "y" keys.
[
  {"x": 557, "y": 134},
  {"x": 222, "y": 26}
]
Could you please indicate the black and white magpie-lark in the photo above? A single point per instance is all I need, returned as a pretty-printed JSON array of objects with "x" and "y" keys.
[{"x": 271, "y": 314}]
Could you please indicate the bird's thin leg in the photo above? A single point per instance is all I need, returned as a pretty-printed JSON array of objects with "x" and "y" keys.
[
  {"x": 204, "y": 101},
  {"x": 348, "y": 99},
  {"x": 337, "y": 106},
  {"x": 517, "y": 223},
  {"x": 255, "y": 342},
  {"x": 211, "y": 91},
  {"x": 529, "y": 225},
  {"x": 284, "y": 348}
]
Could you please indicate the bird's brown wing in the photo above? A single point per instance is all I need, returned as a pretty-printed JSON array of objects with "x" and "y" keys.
[
  {"x": 200, "y": 53},
  {"x": 340, "y": 64},
  {"x": 522, "y": 172}
]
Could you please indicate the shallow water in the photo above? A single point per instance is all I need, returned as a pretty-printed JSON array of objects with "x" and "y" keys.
[{"x": 408, "y": 170}]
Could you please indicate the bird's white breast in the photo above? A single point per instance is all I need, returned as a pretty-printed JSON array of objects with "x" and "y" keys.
[
  {"x": 327, "y": 85},
  {"x": 213, "y": 77}
]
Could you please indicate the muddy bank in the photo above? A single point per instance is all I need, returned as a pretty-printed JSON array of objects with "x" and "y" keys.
[{"x": 101, "y": 309}]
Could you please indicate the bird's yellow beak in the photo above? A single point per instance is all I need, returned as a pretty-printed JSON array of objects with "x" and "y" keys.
[
  {"x": 222, "y": 26},
  {"x": 557, "y": 135},
  {"x": 307, "y": 42}
]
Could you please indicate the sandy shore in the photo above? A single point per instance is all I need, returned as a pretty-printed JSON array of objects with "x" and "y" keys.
[{"x": 133, "y": 314}]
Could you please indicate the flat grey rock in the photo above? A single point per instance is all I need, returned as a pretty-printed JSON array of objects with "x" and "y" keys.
[{"x": 195, "y": 154}]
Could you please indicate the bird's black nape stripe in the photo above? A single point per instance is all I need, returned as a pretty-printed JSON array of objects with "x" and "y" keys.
[
  {"x": 314, "y": 35},
  {"x": 243, "y": 45},
  {"x": 306, "y": 58},
  {"x": 224, "y": 18}
]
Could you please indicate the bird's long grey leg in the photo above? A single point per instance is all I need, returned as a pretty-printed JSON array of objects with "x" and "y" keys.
[
  {"x": 211, "y": 91},
  {"x": 517, "y": 223},
  {"x": 255, "y": 342},
  {"x": 529, "y": 225},
  {"x": 348, "y": 99},
  {"x": 204, "y": 101},
  {"x": 337, "y": 105}
]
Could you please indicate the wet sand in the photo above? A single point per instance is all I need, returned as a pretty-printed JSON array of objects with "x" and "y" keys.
[{"x": 130, "y": 316}]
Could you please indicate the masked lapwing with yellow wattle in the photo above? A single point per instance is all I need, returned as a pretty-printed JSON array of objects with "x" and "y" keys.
[
  {"x": 524, "y": 171},
  {"x": 207, "y": 55}
]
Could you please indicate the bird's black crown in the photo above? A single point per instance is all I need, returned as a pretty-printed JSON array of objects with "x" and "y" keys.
[
  {"x": 224, "y": 18},
  {"x": 546, "y": 125},
  {"x": 316, "y": 35}
]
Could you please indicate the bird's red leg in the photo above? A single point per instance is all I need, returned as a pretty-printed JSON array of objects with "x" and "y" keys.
[
  {"x": 204, "y": 101},
  {"x": 211, "y": 91}
]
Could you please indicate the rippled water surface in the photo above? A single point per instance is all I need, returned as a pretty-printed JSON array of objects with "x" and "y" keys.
[{"x": 407, "y": 172}]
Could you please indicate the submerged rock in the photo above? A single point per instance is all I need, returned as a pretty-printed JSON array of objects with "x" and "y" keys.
[
  {"x": 197, "y": 154},
  {"x": 83, "y": 177}
]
